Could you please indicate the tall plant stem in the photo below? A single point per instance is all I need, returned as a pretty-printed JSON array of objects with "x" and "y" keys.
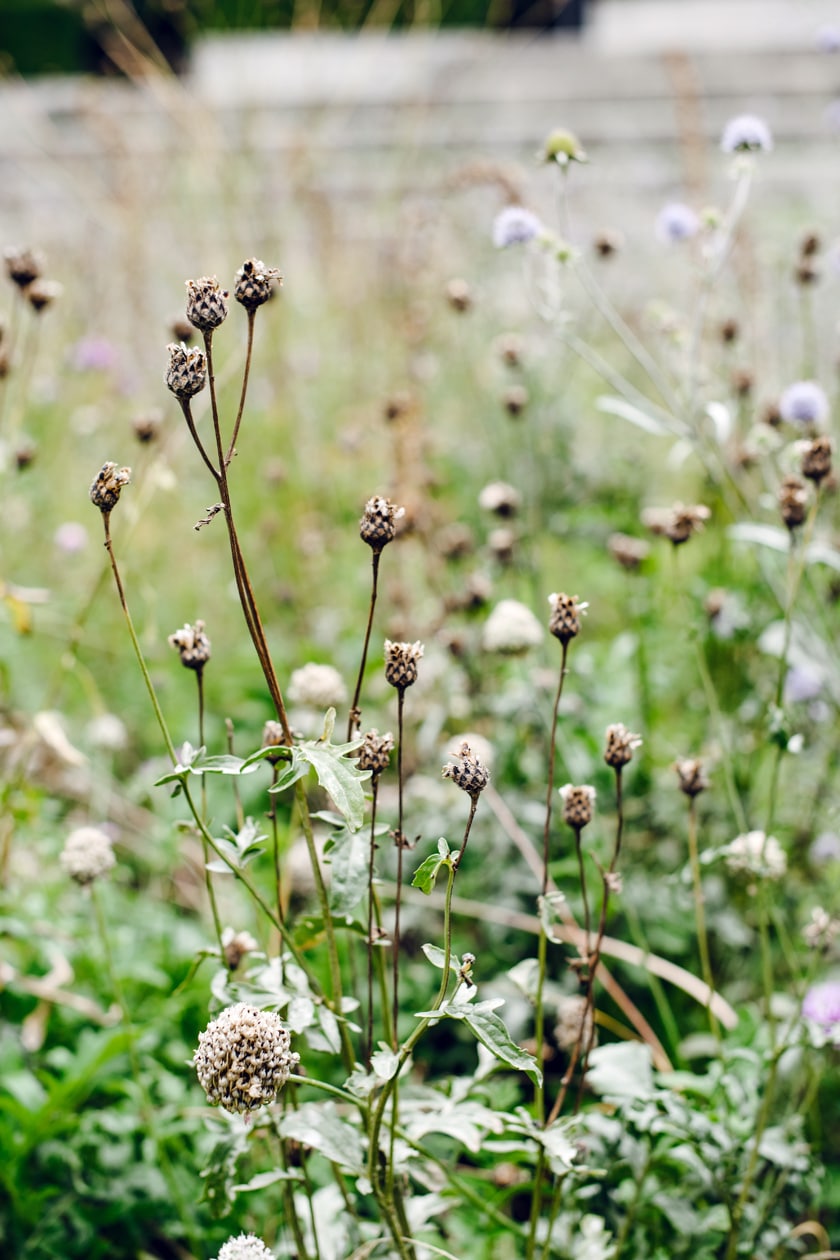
[
  {"x": 587, "y": 955},
  {"x": 370, "y": 917},
  {"x": 395, "y": 996},
  {"x": 208, "y": 878},
  {"x": 275, "y": 848},
  {"x": 246, "y": 372},
  {"x": 699, "y": 909},
  {"x": 354, "y": 717}
]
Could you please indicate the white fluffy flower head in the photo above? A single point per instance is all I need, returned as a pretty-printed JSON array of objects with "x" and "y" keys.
[
  {"x": 87, "y": 854},
  {"x": 511, "y": 628},
  {"x": 245, "y": 1247},
  {"x": 757, "y": 854},
  {"x": 243, "y": 1058},
  {"x": 317, "y": 687}
]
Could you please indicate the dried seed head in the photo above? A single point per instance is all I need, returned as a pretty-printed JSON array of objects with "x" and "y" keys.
[
  {"x": 186, "y": 373},
  {"x": 620, "y": 745},
  {"x": 375, "y": 752},
  {"x": 401, "y": 663},
  {"x": 816, "y": 459},
  {"x": 742, "y": 382},
  {"x": 500, "y": 498},
  {"x": 805, "y": 272},
  {"x": 575, "y": 1022},
  {"x": 25, "y": 454},
  {"x": 458, "y": 295},
  {"x": 467, "y": 772},
  {"x": 236, "y": 945},
  {"x": 627, "y": 551},
  {"x": 729, "y": 331},
  {"x": 23, "y": 265},
  {"x": 107, "y": 485},
  {"x": 378, "y": 525},
  {"x": 578, "y": 803},
  {"x": 192, "y": 644},
  {"x": 273, "y": 737},
  {"x": 87, "y": 855},
  {"x": 502, "y": 543},
  {"x": 206, "y": 303},
  {"x": 510, "y": 349},
  {"x": 397, "y": 406},
  {"x": 793, "y": 501},
  {"x": 564, "y": 620},
  {"x": 515, "y": 399},
  {"x": 691, "y": 776},
  {"x": 243, "y": 1058},
  {"x": 608, "y": 242},
  {"x": 245, "y": 1247},
  {"x": 181, "y": 328},
  {"x": 5, "y": 362},
  {"x": 254, "y": 283},
  {"x": 315, "y": 686},
  {"x": 42, "y": 293},
  {"x": 684, "y": 521},
  {"x": 147, "y": 426},
  {"x": 810, "y": 245}
]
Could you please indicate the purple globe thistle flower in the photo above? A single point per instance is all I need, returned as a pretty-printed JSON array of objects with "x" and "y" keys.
[
  {"x": 94, "y": 354},
  {"x": 676, "y": 222},
  {"x": 821, "y": 1006},
  {"x": 515, "y": 226},
  {"x": 746, "y": 132},
  {"x": 804, "y": 402}
]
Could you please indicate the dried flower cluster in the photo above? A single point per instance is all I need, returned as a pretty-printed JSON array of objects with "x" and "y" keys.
[
  {"x": 24, "y": 267},
  {"x": 107, "y": 485},
  {"x": 691, "y": 776},
  {"x": 255, "y": 283},
  {"x": 378, "y": 525},
  {"x": 375, "y": 752},
  {"x": 87, "y": 855},
  {"x": 564, "y": 620},
  {"x": 207, "y": 303},
  {"x": 793, "y": 501},
  {"x": 816, "y": 459},
  {"x": 627, "y": 551},
  {"x": 186, "y": 372},
  {"x": 401, "y": 661},
  {"x": 243, "y": 1058},
  {"x": 620, "y": 745},
  {"x": 578, "y": 804},
  {"x": 467, "y": 772},
  {"x": 684, "y": 521},
  {"x": 192, "y": 644},
  {"x": 245, "y": 1247}
]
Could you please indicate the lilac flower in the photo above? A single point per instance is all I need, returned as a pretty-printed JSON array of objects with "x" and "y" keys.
[
  {"x": 821, "y": 1006},
  {"x": 804, "y": 402},
  {"x": 827, "y": 38},
  {"x": 71, "y": 537},
  {"x": 825, "y": 849},
  {"x": 94, "y": 354},
  {"x": 746, "y": 131},
  {"x": 676, "y": 222},
  {"x": 802, "y": 684},
  {"x": 515, "y": 226}
]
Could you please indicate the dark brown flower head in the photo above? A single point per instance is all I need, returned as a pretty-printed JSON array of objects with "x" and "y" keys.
[
  {"x": 510, "y": 349},
  {"x": 810, "y": 245},
  {"x": 729, "y": 331},
  {"x": 42, "y": 293},
  {"x": 397, "y": 406},
  {"x": 578, "y": 804},
  {"x": 627, "y": 551},
  {"x": 401, "y": 663},
  {"x": 564, "y": 619},
  {"x": 620, "y": 745},
  {"x": 254, "y": 283},
  {"x": 25, "y": 454},
  {"x": 181, "y": 329},
  {"x": 502, "y": 543},
  {"x": 743, "y": 381},
  {"x": 467, "y": 772},
  {"x": 378, "y": 525},
  {"x": 793, "y": 501},
  {"x": 206, "y": 303},
  {"x": 816, "y": 459},
  {"x": 193, "y": 646},
  {"x": 146, "y": 426},
  {"x": 806, "y": 273},
  {"x": 107, "y": 485},
  {"x": 458, "y": 295},
  {"x": 515, "y": 399},
  {"x": 691, "y": 776},
  {"x": 607, "y": 243},
  {"x": 375, "y": 752},
  {"x": 23, "y": 265},
  {"x": 684, "y": 521},
  {"x": 186, "y": 373}
]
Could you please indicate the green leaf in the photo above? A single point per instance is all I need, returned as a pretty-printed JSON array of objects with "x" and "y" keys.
[
  {"x": 642, "y": 420},
  {"x": 318, "y": 1125},
  {"x": 340, "y": 777},
  {"x": 435, "y": 955},
  {"x": 491, "y": 1032},
  {"x": 427, "y": 872},
  {"x": 621, "y": 1071},
  {"x": 349, "y": 857},
  {"x": 261, "y": 1180}
]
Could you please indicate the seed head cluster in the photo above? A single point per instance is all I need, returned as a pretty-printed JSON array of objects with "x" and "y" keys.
[
  {"x": 207, "y": 304},
  {"x": 467, "y": 772},
  {"x": 23, "y": 265},
  {"x": 87, "y": 855},
  {"x": 186, "y": 373},
  {"x": 564, "y": 621},
  {"x": 378, "y": 525},
  {"x": 245, "y": 1247},
  {"x": 255, "y": 283},
  {"x": 107, "y": 486},
  {"x": 578, "y": 804},
  {"x": 627, "y": 551},
  {"x": 620, "y": 745},
  {"x": 192, "y": 644},
  {"x": 375, "y": 752},
  {"x": 243, "y": 1058},
  {"x": 401, "y": 660},
  {"x": 816, "y": 459},
  {"x": 684, "y": 521},
  {"x": 793, "y": 501},
  {"x": 691, "y": 776}
]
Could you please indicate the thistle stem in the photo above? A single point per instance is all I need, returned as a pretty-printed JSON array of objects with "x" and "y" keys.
[{"x": 354, "y": 718}]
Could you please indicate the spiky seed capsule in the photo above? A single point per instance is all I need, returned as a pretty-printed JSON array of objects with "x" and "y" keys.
[
  {"x": 206, "y": 303},
  {"x": 107, "y": 485},
  {"x": 192, "y": 644},
  {"x": 87, "y": 855},
  {"x": 254, "y": 283},
  {"x": 378, "y": 525},
  {"x": 620, "y": 745},
  {"x": 578, "y": 803},
  {"x": 23, "y": 265},
  {"x": 793, "y": 501},
  {"x": 627, "y": 551},
  {"x": 691, "y": 776},
  {"x": 564, "y": 621},
  {"x": 401, "y": 663},
  {"x": 243, "y": 1058},
  {"x": 467, "y": 772},
  {"x": 186, "y": 373},
  {"x": 375, "y": 752},
  {"x": 684, "y": 521},
  {"x": 816, "y": 459}
]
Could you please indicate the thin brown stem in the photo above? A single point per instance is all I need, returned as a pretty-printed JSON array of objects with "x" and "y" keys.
[
  {"x": 370, "y": 945},
  {"x": 188, "y": 416},
  {"x": 400, "y": 850},
  {"x": 231, "y": 450},
  {"x": 354, "y": 718}
]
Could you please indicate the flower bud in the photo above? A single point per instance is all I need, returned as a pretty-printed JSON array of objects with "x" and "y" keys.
[
  {"x": 206, "y": 303},
  {"x": 254, "y": 283},
  {"x": 378, "y": 525},
  {"x": 578, "y": 804},
  {"x": 107, "y": 485},
  {"x": 401, "y": 663},
  {"x": 186, "y": 373},
  {"x": 193, "y": 646},
  {"x": 467, "y": 772},
  {"x": 620, "y": 745},
  {"x": 564, "y": 622}
]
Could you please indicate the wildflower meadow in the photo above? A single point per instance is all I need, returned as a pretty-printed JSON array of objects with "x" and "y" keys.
[{"x": 419, "y": 731}]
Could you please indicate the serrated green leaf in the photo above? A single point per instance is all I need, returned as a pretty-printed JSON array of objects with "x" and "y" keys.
[
  {"x": 349, "y": 858},
  {"x": 491, "y": 1032},
  {"x": 340, "y": 777}
]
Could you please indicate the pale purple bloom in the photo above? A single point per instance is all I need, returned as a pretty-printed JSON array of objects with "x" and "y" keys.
[
  {"x": 821, "y": 1005},
  {"x": 94, "y": 354},
  {"x": 825, "y": 849},
  {"x": 802, "y": 684},
  {"x": 676, "y": 222},
  {"x": 746, "y": 131},
  {"x": 804, "y": 402},
  {"x": 515, "y": 226},
  {"x": 827, "y": 38},
  {"x": 71, "y": 538}
]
